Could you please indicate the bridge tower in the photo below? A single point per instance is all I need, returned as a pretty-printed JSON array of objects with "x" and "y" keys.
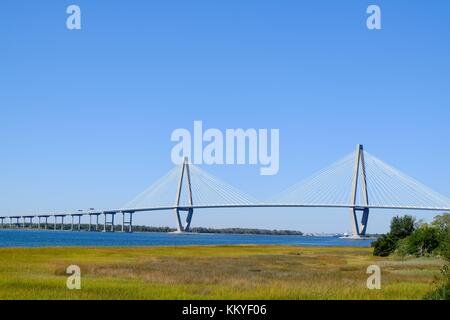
[
  {"x": 359, "y": 175},
  {"x": 178, "y": 208}
]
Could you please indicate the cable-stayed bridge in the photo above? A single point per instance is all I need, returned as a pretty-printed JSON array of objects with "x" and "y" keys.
[{"x": 358, "y": 182}]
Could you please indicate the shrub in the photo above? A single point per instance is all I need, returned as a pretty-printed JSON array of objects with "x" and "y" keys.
[
  {"x": 401, "y": 227},
  {"x": 443, "y": 224},
  {"x": 422, "y": 242},
  {"x": 442, "y": 291},
  {"x": 403, "y": 247},
  {"x": 384, "y": 245}
]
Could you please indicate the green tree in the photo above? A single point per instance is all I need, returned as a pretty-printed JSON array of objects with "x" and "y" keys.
[
  {"x": 384, "y": 245},
  {"x": 422, "y": 242},
  {"x": 442, "y": 222},
  {"x": 442, "y": 291},
  {"x": 401, "y": 227}
]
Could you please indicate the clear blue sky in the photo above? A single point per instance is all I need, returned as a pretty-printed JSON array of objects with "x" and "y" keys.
[{"x": 86, "y": 116}]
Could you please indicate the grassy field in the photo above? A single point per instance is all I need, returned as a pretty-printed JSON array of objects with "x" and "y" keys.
[{"x": 211, "y": 272}]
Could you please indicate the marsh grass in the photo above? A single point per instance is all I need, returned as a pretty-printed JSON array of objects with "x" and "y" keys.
[{"x": 211, "y": 272}]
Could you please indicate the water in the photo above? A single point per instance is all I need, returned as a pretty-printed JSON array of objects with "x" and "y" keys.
[{"x": 33, "y": 238}]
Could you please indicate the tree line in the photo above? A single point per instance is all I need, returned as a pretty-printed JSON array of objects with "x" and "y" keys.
[{"x": 409, "y": 237}]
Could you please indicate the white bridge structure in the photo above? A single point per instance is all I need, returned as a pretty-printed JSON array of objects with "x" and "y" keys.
[{"x": 358, "y": 183}]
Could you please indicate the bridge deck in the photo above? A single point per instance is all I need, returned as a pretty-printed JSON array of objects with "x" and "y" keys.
[{"x": 231, "y": 206}]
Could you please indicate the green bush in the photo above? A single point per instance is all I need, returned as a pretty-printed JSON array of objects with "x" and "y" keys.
[
  {"x": 384, "y": 245},
  {"x": 405, "y": 238},
  {"x": 422, "y": 242},
  {"x": 443, "y": 224},
  {"x": 442, "y": 291},
  {"x": 403, "y": 247},
  {"x": 401, "y": 227}
]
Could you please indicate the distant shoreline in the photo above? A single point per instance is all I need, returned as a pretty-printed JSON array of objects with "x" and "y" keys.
[
  {"x": 203, "y": 230},
  {"x": 200, "y": 230},
  {"x": 149, "y": 229},
  {"x": 197, "y": 230}
]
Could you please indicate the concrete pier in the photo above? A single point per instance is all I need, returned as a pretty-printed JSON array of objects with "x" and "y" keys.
[
  {"x": 76, "y": 215},
  {"x": 16, "y": 224},
  {"x": 30, "y": 221},
  {"x": 90, "y": 221},
  {"x": 127, "y": 223},
  {"x": 185, "y": 171},
  {"x": 45, "y": 217},
  {"x": 107, "y": 223},
  {"x": 62, "y": 216},
  {"x": 359, "y": 178}
]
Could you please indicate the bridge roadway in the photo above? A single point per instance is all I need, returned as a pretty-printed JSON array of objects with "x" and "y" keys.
[{"x": 24, "y": 221}]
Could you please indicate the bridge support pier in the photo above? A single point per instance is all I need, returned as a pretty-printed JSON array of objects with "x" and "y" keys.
[
  {"x": 79, "y": 222},
  {"x": 16, "y": 224},
  {"x": 187, "y": 228},
  {"x": 128, "y": 223},
  {"x": 188, "y": 208},
  {"x": 62, "y": 221},
  {"x": 90, "y": 221},
  {"x": 110, "y": 222},
  {"x": 45, "y": 221},
  {"x": 179, "y": 225},
  {"x": 359, "y": 173},
  {"x": 30, "y": 221}
]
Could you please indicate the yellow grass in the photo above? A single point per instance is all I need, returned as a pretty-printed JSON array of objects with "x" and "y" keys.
[{"x": 211, "y": 272}]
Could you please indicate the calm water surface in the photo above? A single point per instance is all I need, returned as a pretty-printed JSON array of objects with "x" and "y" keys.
[{"x": 32, "y": 238}]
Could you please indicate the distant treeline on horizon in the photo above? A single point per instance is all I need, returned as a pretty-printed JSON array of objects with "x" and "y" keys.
[
  {"x": 221, "y": 230},
  {"x": 141, "y": 228}
]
